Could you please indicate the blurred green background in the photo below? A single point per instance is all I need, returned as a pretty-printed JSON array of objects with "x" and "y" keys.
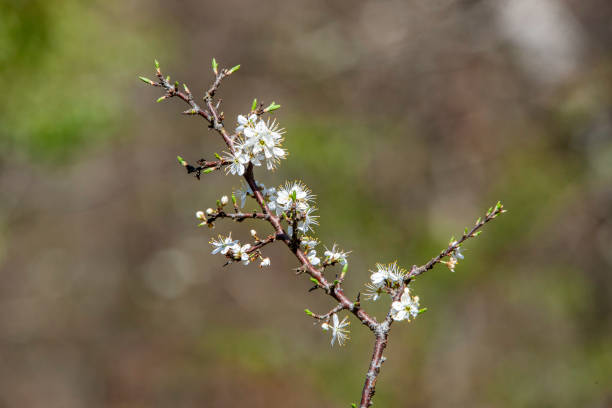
[{"x": 406, "y": 118}]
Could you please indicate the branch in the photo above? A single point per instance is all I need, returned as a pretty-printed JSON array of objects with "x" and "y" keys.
[
  {"x": 336, "y": 292},
  {"x": 216, "y": 122},
  {"x": 492, "y": 213},
  {"x": 325, "y": 317},
  {"x": 396, "y": 284},
  {"x": 261, "y": 244},
  {"x": 239, "y": 217},
  {"x": 203, "y": 166}
]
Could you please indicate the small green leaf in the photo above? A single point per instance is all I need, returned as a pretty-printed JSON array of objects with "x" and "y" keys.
[
  {"x": 465, "y": 231},
  {"x": 314, "y": 280},
  {"x": 233, "y": 69},
  {"x": 215, "y": 66},
  {"x": 145, "y": 80},
  {"x": 308, "y": 312},
  {"x": 181, "y": 161},
  {"x": 186, "y": 89},
  {"x": 423, "y": 310},
  {"x": 254, "y": 105},
  {"x": 353, "y": 405},
  {"x": 272, "y": 107},
  {"x": 168, "y": 78},
  {"x": 202, "y": 224},
  {"x": 233, "y": 199},
  {"x": 161, "y": 98},
  {"x": 344, "y": 269},
  {"x": 478, "y": 220},
  {"x": 209, "y": 170},
  {"x": 217, "y": 156}
]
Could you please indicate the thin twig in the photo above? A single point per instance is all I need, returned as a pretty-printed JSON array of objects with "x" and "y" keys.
[{"x": 452, "y": 247}]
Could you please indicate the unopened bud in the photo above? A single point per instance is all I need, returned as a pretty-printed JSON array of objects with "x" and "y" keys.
[
  {"x": 224, "y": 200},
  {"x": 209, "y": 211},
  {"x": 200, "y": 215},
  {"x": 233, "y": 69},
  {"x": 253, "y": 233}
]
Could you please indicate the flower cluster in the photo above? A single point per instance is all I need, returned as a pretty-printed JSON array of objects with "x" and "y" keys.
[
  {"x": 294, "y": 200},
  {"x": 231, "y": 248},
  {"x": 236, "y": 252},
  {"x": 308, "y": 244},
  {"x": 256, "y": 142},
  {"x": 385, "y": 277}
]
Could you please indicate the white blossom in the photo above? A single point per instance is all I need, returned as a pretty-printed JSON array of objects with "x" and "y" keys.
[
  {"x": 257, "y": 142},
  {"x": 244, "y": 121},
  {"x": 406, "y": 308},
  {"x": 308, "y": 243},
  {"x": 270, "y": 196},
  {"x": 222, "y": 245},
  {"x": 242, "y": 193},
  {"x": 292, "y": 195},
  {"x": 209, "y": 211},
  {"x": 457, "y": 253},
  {"x": 240, "y": 253},
  {"x": 266, "y": 138},
  {"x": 224, "y": 200},
  {"x": 265, "y": 262},
  {"x": 396, "y": 274},
  {"x": 387, "y": 275},
  {"x": 339, "y": 329},
  {"x": 312, "y": 257},
  {"x": 334, "y": 255},
  {"x": 237, "y": 160},
  {"x": 307, "y": 220},
  {"x": 268, "y": 192},
  {"x": 373, "y": 292},
  {"x": 245, "y": 191},
  {"x": 451, "y": 263},
  {"x": 200, "y": 215}
]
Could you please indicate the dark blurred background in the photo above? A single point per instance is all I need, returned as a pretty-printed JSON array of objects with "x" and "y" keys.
[{"x": 407, "y": 119}]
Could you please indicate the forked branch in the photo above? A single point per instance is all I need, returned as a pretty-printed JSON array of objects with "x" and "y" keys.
[{"x": 289, "y": 211}]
